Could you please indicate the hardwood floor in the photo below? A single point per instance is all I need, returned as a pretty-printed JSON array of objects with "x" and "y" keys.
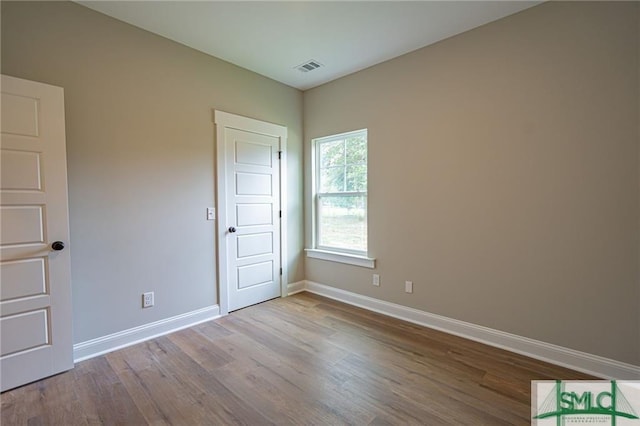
[{"x": 304, "y": 359}]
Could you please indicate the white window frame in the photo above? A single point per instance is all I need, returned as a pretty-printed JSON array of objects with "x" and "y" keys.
[{"x": 334, "y": 254}]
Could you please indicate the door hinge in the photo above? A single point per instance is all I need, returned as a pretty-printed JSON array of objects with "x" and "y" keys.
[
  {"x": 279, "y": 155},
  {"x": 280, "y": 271},
  {"x": 280, "y": 213}
]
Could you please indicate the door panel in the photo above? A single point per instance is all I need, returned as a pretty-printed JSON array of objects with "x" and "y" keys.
[
  {"x": 17, "y": 340},
  {"x": 254, "y": 154},
  {"x": 22, "y": 278},
  {"x": 253, "y": 245},
  {"x": 20, "y": 171},
  {"x": 254, "y": 184},
  {"x": 253, "y": 195},
  {"x": 254, "y": 214},
  {"x": 254, "y": 274},
  {"x": 35, "y": 291},
  {"x": 21, "y": 225},
  {"x": 19, "y": 114}
]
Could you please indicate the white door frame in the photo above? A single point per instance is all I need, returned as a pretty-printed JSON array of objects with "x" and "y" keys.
[{"x": 224, "y": 120}]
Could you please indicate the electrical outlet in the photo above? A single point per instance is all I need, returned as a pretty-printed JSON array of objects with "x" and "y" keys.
[
  {"x": 376, "y": 280},
  {"x": 408, "y": 286},
  {"x": 147, "y": 299}
]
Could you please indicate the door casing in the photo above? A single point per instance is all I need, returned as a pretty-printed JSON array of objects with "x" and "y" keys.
[{"x": 223, "y": 120}]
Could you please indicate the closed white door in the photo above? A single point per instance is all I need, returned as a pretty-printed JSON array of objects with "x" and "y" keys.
[
  {"x": 35, "y": 285},
  {"x": 250, "y": 219}
]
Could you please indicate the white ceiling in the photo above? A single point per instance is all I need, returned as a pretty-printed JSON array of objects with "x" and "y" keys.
[{"x": 273, "y": 38}]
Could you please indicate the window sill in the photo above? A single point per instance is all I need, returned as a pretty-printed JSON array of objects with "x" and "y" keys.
[{"x": 350, "y": 259}]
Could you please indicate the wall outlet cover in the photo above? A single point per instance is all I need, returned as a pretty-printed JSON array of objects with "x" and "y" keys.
[{"x": 147, "y": 299}]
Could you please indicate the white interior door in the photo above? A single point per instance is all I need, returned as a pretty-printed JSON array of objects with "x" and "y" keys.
[
  {"x": 35, "y": 286},
  {"x": 250, "y": 214}
]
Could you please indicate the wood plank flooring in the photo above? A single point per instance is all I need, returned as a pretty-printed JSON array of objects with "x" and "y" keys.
[{"x": 302, "y": 360}]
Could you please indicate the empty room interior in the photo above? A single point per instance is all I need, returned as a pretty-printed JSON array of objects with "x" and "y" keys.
[{"x": 262, "y": 213}]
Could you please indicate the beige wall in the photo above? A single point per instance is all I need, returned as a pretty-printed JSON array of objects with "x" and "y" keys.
[
  {"x": 504, "y": 168},
  {"x": 503, "y": 176},
  {"x": 141, "y": 157}
]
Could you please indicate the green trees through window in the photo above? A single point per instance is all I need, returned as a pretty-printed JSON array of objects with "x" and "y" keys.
[{"x": 341, "y": 192}]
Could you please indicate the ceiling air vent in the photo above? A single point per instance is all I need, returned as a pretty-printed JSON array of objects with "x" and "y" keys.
[{"x": 309, "y": 66}]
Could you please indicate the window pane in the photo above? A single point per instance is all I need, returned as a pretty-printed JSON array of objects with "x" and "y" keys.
[
  {"x": 340, "y": 192},
  {"x": 356, "y": 150},
  {"x": 356, "y": 178},
  {"x": 331, "y": 154},
  {"x": 342, "y": 222},
  {"x": 332, "y": 179}
]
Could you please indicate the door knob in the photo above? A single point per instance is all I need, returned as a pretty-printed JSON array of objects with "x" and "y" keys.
[
  {"x": 232, "y": 229},
  {"x": 57, "y": 245}
]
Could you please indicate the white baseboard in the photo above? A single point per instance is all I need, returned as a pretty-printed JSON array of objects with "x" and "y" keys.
[
  {"x": 121, "y": 339},
  {"x": 580, "y": 361},
  {"x": 294, "y": 288}
]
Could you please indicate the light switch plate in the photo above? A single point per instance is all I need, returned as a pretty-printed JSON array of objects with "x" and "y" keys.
[
  {"x": 408, "y": 286},
  {"x": 211, "y": 213}
]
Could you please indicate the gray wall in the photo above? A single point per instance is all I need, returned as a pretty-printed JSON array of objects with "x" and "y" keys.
[
  {"x": 140, "y": 147},
  {"x": 503, "y": 176}
]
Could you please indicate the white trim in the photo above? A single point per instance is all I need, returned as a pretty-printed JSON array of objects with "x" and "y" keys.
[
  {"x": 316, "y": 196},
  {"x": 239, "y": 122},
  {"x": 570, "y": 358},
  {"x": 221, "y": 179},
  {"x": 341, "y": 136},
  {"x": 224, "y": 120},
  {"x": 348, "y": 258},
  {"x": 295, "y": 288},
  {"x": 102, "y": 345},
  {"x": 284, "y": 276}
]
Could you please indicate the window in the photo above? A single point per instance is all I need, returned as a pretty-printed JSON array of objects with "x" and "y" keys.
[{"x": 340, "y": 193}]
